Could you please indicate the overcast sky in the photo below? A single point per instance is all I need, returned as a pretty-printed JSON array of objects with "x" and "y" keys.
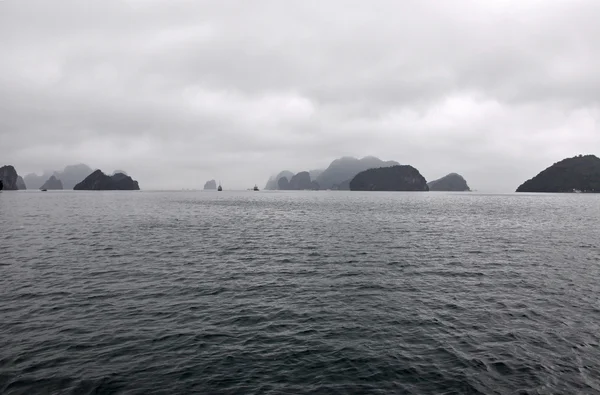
[{"x": 176, "y": 92}]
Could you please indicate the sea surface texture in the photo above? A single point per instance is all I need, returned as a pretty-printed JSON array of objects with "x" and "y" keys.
[{"x": 299, "y": 292}]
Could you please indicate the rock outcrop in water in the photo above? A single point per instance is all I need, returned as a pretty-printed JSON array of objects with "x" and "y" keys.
[
  {"x": 342, "y": 170},
  {"x": 210, "y": 185},
  {"x": 52, "y": 183},
  {"x": 395, "y": 178},
  {"x": 98, "y": 181},
  {"x": 452, "y": 182},
  {"x": 9, "y": 178},
  {"x": 577, "y": 174}
]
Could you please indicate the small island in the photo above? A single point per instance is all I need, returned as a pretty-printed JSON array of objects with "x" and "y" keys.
[
  {"x": 98, "y": 181},
  {"x": 395, "y": 178},
  {"x": 451, "y": 183},
  {"x": 210, "y": 185},
  {"x": 578, "y": 174},
  {"x": 10, "y": 178},
  {"x": 52, "y": 183}
]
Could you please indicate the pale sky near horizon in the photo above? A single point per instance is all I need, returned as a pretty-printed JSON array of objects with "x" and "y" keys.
[{"x": 178, "y": 92}]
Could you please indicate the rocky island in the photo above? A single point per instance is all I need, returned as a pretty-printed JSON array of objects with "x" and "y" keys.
[
  {"x": 342, "y": 170},
  {"x": 452, "y": 182},
  {"x": 395, "y": 178},
  {"x": 578, "y": 174},
  {"x": 210, "y": 185},
  {"x": 10, "y": 178},
  {"x": 98, "y": 181},
  {"x": 52, "y": 183}
]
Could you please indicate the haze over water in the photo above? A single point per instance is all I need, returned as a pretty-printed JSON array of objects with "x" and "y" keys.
[{"x": 299, "y": 292}]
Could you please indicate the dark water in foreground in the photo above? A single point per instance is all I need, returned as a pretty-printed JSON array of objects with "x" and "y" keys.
[{"x": 164, "y": 293}]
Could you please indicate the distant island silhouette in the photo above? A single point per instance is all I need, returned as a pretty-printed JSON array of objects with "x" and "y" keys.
[
  {"x": 336, "y": 176},
  {"x": 69, "y": 176},
  {"x": 394, "y": 178},
  {"x": 98, "y": 181},
  {"x": 453, "y": 182},
  {"x": 53, "y": 183},
  {"x": 210, "y": 185},
  {"x": 578, "y": 174}
]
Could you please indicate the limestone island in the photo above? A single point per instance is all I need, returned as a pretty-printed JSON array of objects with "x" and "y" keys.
[
  {"x": 98, "y": 181},
  {"x": 451, "y": 183},
  {"x": 52, "y": 183},
  {"x": 210, "y": 185},
  {"x": 578, "y": 174},
  {"x": 394, "y": 178},
  {"x": 11, "y": 181}
]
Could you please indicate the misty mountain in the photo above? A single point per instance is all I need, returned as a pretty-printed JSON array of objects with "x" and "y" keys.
[
  {"x": 98, "y": 181},
  {"x": 53, "y": 183},
  {"x": 70, "y": 176},
  {"x": 301, "y": 181},
  {"x": 283, "y": 184},
  {"x": 452, "y": 182},
  {"x": 273, "y": 183},
  {"x": 395, "y": 178},
  {"x": 342, "y": 170},
  {"x": 73, "y": 174},
  {"x": 35, "y": 182},
  {"x": 314, "y": 174},
  {"x": 580, "y": 173}
]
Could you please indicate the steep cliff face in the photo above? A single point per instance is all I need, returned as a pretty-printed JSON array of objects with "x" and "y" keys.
[
  {"x": 395, "y": 178},
  {"x": 98, "y": 181},
  {"x": 452, "y": 182},
  {"x": 21, "y": 183},
  {"x": 9, "y": 178},
  {"x": 52, "y": 183}
]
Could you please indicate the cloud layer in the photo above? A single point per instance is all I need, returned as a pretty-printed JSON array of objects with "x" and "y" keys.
[{"x": 177, "y": 92}]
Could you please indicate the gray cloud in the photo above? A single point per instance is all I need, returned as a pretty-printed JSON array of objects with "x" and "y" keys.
[{"x": 179, "y": 90}]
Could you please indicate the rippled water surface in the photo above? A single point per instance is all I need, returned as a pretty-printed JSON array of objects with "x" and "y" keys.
[{"x": 307, "y": 292}]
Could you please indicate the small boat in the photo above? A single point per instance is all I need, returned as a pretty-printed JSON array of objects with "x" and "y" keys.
[
  {"x": 1, "y": 185},
  {"x": 255, "y": 188},
  {"x": 44, "y": 190},
  {"x": 220, "y": 188}
]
